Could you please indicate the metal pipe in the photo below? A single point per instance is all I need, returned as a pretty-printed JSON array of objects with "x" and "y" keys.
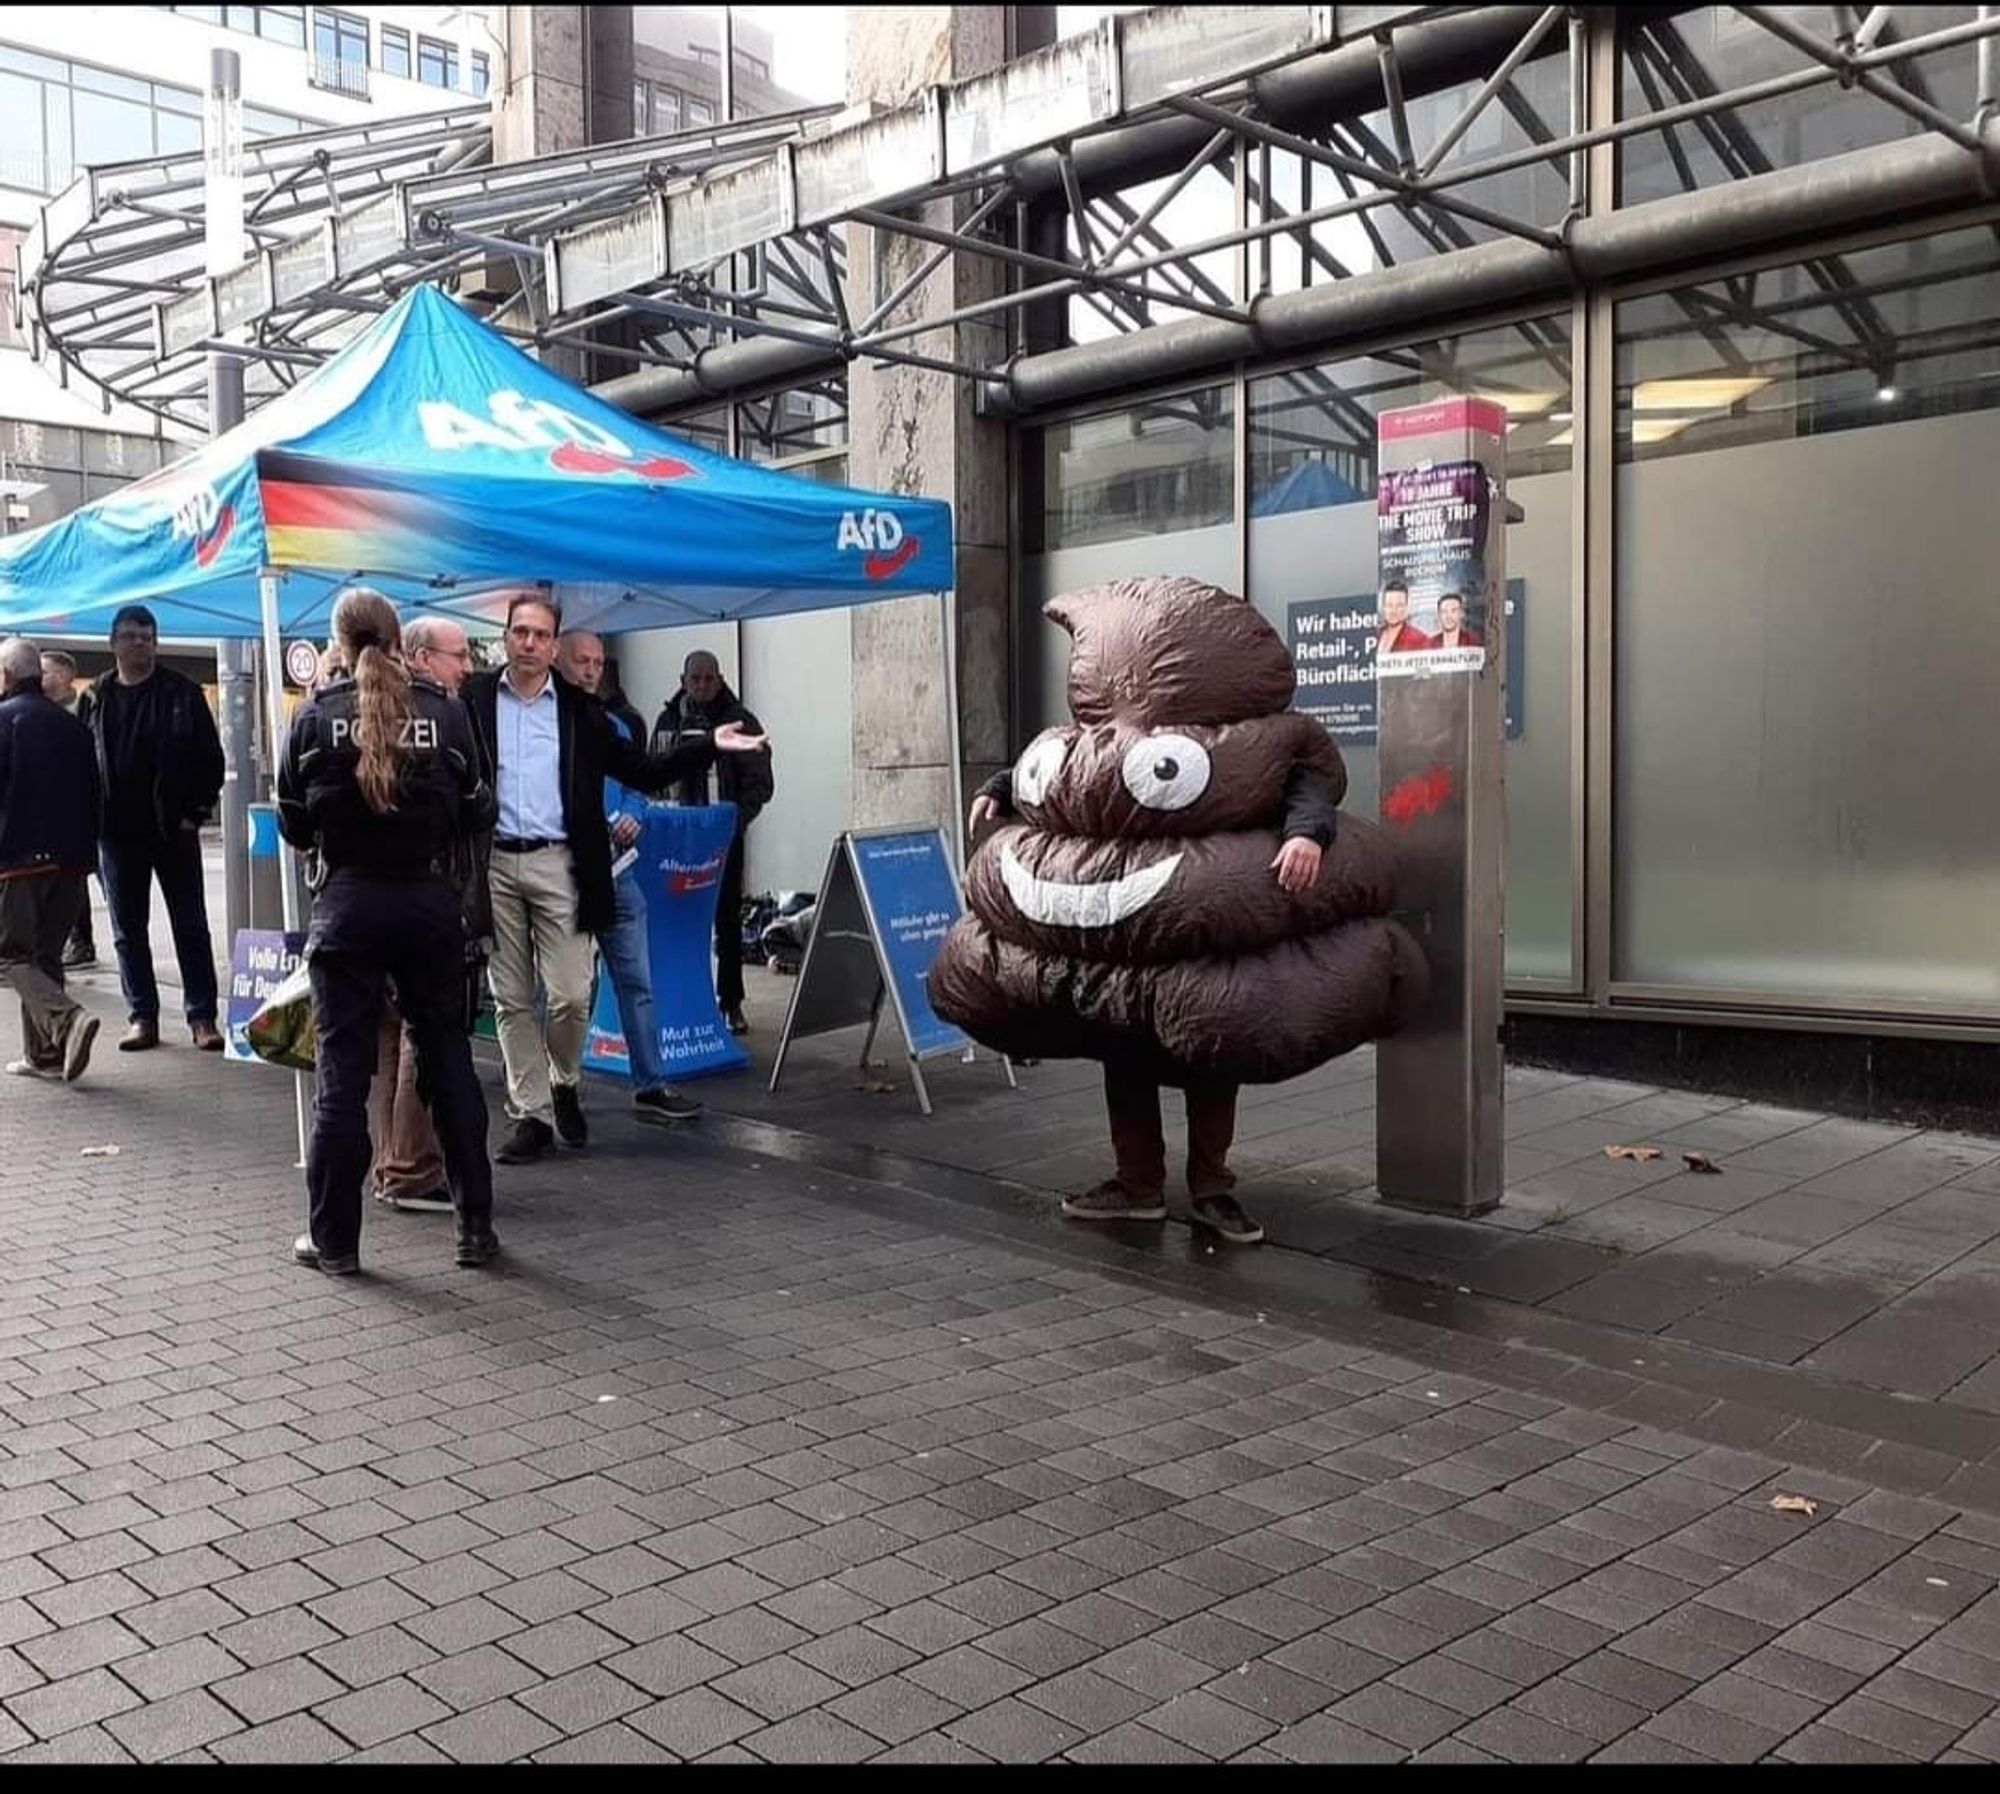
[
  {"x": 1988, "y": 102},
  {"x": 1890, "y": 180},
  {"x": 1493, "y": 84},
  {"x": 1846, "y": 68}
]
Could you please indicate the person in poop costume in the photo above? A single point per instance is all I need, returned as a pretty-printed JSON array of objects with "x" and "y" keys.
[{"x": 1174, "y": 891}]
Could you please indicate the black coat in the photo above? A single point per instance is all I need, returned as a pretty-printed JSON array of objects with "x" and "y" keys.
[
  {"x": 591, "y": 748},
  {"x": 741, "y": 779},
  {"x": 48, "y": 787},
  {"x": 188, "y": 776}
]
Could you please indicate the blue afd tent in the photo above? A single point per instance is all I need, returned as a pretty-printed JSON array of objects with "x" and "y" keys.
[{"x": 432, "y": 459}]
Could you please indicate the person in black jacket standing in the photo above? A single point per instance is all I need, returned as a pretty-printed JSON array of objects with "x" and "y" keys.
[
  {"x": 551, "y": 747},
  {"x": 48, "y": 837},
  {"x": 159, "y": 761},
  {"x": 704, "y": 704},
  {"x": 381, "y": 779}
]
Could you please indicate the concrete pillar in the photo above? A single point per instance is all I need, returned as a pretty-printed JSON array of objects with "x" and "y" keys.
[
  {"x": 913, "y": 430},
  {"x": 568, "y": 80}
]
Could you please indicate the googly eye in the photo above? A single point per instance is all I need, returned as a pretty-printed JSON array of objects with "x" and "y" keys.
[
  {"x": 1166, "y": 772},
  {"x": 1038, "y": 768}
]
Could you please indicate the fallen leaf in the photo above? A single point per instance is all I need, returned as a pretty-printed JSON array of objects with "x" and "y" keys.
[
  {"x": 1795, "y": 1504},
  {"x": 1642, "y": 1154},
  {"x": 100, "y": 1152},
  {"x": 1701, "y": 1162}
]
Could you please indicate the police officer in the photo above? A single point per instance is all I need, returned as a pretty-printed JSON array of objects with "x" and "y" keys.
[{"x": 382, "y": 781}]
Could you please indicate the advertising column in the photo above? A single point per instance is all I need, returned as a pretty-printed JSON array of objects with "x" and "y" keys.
[{"x": 1440, "y": 654}]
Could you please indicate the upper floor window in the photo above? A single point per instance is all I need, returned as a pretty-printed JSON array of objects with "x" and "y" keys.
[
  {"x": 482, "y": 72},
  {"x": 340, "y": 52},
  {"x": 437, "y": 64},
  {"x": 395, "y": 51}
]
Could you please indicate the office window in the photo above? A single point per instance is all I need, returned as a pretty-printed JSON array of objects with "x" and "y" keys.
[
  {"x": 437, "y": 64},
  {"x": 482, "y": 72},
  {"x": 340, "y": 52},
  {"x": 753, "y": 66},
  {"x": 395, "y": 51},
  {"x": 706, "y": 54},
  {"x": 699, "y": 112},
  {"x": 10, "y": 242},
  {"x": 280, "y": 24}
]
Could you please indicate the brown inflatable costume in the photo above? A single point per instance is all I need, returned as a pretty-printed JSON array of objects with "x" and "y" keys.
[{"x": 1132, "y": 914}]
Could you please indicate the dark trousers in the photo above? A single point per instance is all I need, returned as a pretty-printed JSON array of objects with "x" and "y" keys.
[
  {"x": 1139, "y": 1141},
  {"x": 128, "y": 869},
  {"x": 729, "y": 928},
  {"x": 82, "y": 935},
  {"x": 36, "y": 914},
  {"x": 367, "y": 936}
]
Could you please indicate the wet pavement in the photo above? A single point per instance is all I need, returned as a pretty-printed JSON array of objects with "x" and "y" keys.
[{"x": 784, "y": 1439}]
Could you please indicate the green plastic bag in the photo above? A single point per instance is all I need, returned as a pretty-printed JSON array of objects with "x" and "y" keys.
[{"x": 281, "y": 1032}]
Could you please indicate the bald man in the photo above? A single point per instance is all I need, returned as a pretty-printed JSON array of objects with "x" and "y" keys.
[
  {"x": 704, "y": 704},
  {"x": 627, "y": 957}
]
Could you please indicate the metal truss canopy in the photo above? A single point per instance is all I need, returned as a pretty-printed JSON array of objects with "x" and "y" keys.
[{"x": 712, "y": 263}]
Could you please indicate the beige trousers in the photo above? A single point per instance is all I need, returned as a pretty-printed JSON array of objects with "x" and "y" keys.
[{"x": 535, "y": 938}]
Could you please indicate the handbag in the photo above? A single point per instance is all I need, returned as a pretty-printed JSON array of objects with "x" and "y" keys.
[{"x": 281, "y": 1032}]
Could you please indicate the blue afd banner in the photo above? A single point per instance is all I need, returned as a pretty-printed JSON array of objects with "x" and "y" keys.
[
  {"x": 912, "y": 898},
  {"x": 260, "y": 960},
  {"x": 681, "y": 854}
]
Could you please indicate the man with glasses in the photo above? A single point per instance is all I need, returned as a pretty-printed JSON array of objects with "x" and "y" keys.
[
  {"x": 159, "y": 761},
  {"x": 409, "y": 1163},
  {"x": 551, "y": 749}
]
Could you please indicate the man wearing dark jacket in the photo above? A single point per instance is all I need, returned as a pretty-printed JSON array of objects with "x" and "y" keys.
[
  {"x": 551, "y": 747},
  {"x": 48, "y": 837},
  {"x": 159, "y": 763},
  {"x": 704, "y": 704}
]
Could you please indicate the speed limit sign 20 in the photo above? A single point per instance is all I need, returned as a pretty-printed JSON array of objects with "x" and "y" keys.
[{"x": 301, "y": 663}]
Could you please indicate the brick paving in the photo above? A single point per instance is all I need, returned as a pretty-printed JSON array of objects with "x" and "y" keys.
[{"x": 743, "y": 1456}]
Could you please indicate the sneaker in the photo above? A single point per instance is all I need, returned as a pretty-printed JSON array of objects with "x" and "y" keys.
[
  {"x": 575, "y": 1130},
  {"x": 343, "y": 1264},
  {"x": 733, "y": 1015},
  {"x": 432, "y": 1202},
  {"x": 665, "y": 1104},
  {"x": 1223, "y": 1215},
  {"x": 529, "y": 1140},
  {"x": 79, "y": 955},
  {"x": 76, "y": 1046},
  {"x": 27, "y": 1068},
  {"x": 477, "y": 1246},
  {"x": 1111, "y": 1201},
  {"x": 140, "y": 1037}
]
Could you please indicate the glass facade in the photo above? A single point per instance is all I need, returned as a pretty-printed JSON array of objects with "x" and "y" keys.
[{"x": 1805, "y": 539}]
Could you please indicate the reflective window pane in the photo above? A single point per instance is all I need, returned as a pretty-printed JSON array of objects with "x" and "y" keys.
[{"x": 1805, "y": 672}]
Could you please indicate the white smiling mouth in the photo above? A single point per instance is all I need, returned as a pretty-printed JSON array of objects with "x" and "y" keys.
[{"x": 1104, "y": 905}]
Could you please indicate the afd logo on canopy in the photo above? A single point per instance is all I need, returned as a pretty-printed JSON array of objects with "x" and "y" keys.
[
  {"x": 522, "y": 426},
  {"x": 189, "y": 504},
  {"x": 881, "y": 537}
]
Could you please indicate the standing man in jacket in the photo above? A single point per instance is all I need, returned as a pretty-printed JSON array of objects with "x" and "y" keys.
[
  {"x": 627, "y": 955},
  {"x": 159, "y": 761},
  {"x": 59, "y": 683},
  {"x": 48, "y": 837},
  {"x": 703, "y": 705},
  {"x": 551, "y": 748}
]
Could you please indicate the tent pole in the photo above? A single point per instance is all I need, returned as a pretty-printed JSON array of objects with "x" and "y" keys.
[
  {"x": 955, "y": 772},
  {"x": 288, "y": 882}
]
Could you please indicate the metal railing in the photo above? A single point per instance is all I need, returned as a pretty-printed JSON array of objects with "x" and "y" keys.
[{"x": 336, "y": 74}]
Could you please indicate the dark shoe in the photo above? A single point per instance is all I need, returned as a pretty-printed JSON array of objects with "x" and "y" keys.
[
  {"x": 665, "y": 1104},
  {"x": 528, "y": 1142},
  {"x": 334, "y": 1265},
  {"x": 79, "y": 954},
  {"x": 570, "y": 1124},
  {"x": 733, "y": 1015},
  {"x": 1111, "y": 1201},
  {"x": 140, "y": 1037},
  {"x": 206, "y": 1037},
  {"x": 432, "y": 1202},
  {"x": 477, "y": 1246},
  {"x": 1223, "y": 1215},
  {"x": 76, "y": 1046}
]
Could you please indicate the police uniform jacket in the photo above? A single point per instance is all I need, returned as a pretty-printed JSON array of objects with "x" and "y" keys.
[{"x": 443, "y": 799}]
